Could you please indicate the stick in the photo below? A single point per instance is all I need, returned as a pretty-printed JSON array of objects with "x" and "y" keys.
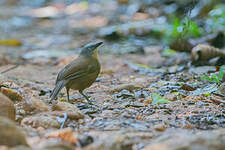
[{"x": 9, "y": 69}]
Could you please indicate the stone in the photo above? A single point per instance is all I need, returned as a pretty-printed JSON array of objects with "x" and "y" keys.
[
  {"x": 72, "y": 110},
  {"x": 129, "y": 87},
  {"x": 34, "y": 105},
  {"x": 12, "y": 94},
  {"x": 49, "y": 119},
  {"x": 110, "y": 142},
  {"x": 45, "y": 120},
  {"x": 20, "y": 147},
  {"x": 222, "y": 88},
  {"x": 53, "y": 144},
  {"x": 184, "y": 140},
  {"x": 7, "y": 108},
  {"x": 10, "y": 134}
]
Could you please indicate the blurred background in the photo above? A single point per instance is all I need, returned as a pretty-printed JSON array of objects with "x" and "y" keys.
[{"x": 52, "y": 28}]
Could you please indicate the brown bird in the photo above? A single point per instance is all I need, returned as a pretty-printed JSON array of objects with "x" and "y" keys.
[{"x": 80, "y": 73}]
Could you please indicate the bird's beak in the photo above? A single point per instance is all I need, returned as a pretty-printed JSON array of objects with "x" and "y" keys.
[{"x": 98, "y": 44}]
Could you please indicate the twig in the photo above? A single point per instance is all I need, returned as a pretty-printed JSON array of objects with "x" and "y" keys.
[
  {"x": 215, "y": 100},
  {"x": 217, "y": 94},
  {"x": 9, "y": 69}
]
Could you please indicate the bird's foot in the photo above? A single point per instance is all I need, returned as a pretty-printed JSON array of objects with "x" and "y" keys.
[{"x": 92, "y": 105}]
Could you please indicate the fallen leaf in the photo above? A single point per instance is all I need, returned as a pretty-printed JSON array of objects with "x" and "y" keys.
[
  {"x": 11, "y": 94},
  {"x": 160, "y": 127},
  {"x": 76, "y": 8},
  {"x": 188, "y": 87},
  {"x": 140, "y": 16},
  {"x": 65, "y": 135},
  {"x": 157, "y": 99},
  {"x": 10, "y": 42},
  {"x": 93, "y": 22},
  {"x": 44, "y": 12}
]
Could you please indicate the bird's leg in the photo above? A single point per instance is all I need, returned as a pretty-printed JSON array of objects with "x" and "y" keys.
[
  {"x": 86, "y": 97},
  {"x": 68, "y": 94}
]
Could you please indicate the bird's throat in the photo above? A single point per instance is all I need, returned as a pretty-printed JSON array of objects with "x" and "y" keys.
[{"x": 95, "y": 54}]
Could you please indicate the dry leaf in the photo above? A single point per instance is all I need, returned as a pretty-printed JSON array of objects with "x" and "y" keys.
[
  {"x": 11, "y": 94},
  {"x": 44, "y": 12},
  {"x": 140, "y": 16},
  {"x": 93, "y": 22},
  {"x": 65, "y": 135},
  {"x": 76, "y": 8},
  {"x": 11, "y": 42}
]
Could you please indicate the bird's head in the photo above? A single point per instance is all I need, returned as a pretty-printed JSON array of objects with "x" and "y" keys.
[{"x": 91, "y": 49}]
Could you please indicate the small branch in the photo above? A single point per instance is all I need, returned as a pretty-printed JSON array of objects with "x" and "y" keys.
[{"x": 9, "y": 69}]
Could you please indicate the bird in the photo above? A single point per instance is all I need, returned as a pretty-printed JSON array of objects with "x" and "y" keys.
[{"x": 81, "y": 73}]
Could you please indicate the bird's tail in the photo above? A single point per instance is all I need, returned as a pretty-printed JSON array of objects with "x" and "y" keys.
[{"x": 57, "y": 89}]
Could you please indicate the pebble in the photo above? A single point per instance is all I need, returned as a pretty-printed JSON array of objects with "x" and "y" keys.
[
  {"x": 160, "y": 127},
  {"x": 128, "y": 87}
]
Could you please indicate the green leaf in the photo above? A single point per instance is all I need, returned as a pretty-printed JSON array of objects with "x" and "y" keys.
[
  {"x": 221, "y": 72},
  {"x": 205, "y": 78},
  {"x": 168, "y": 52},
  {"x": 215, "y": 78},
  {"x": 157, "y": 99},
  {"x": 176, "y": 24},
  {"x": 194, "y": 29},
  {"x": 144, "y": 66}
]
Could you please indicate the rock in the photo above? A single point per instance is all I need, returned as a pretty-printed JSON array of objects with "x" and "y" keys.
[
  {"x": 70, "y": 115},
  {"x": 129, "y": 87},
  {"x": 110, "y": 142},
  {"x": 72, "y": 110},
  {"x": 12, "y": 94},
  {"x": 185, "y": 140},
  {"x": 53, "y": 144},
  {"x": 222, "y": 88},
  {"x": 7, "y": 108},
  {"x": 201, "y": 69},
  {"x": 6, "y": 81},
  {"x": 49, "y": 119},
  {"x": 34, "y": 105},
  {"x": 10, "y": 134},
  {"x": 45, "y": 120},
  {"x": 59, "y": 146},
  {"x": 160, "y": 127},
  {"x": 85, "y": 140},
  {"x": 20, "y": 147}
]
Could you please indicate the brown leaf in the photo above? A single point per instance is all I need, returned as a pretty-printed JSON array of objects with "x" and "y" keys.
[
  {"x": 140, "y": 16},
  {"x": 93, "y": 22},
  {"x": 65, "y": 135},
  {"x": 188, "y": 87},
  {"x": 12, "y": 94}
]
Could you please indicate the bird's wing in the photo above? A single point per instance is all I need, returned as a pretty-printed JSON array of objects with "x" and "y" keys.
[{"x": 78, "y": 68}]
